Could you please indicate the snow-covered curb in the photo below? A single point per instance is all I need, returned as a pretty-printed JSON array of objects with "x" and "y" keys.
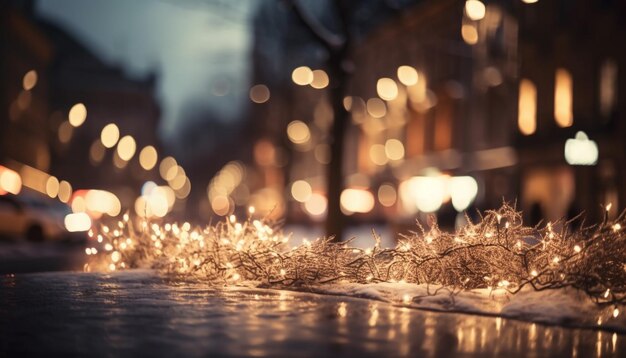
[{"x": 566, "y": 307}]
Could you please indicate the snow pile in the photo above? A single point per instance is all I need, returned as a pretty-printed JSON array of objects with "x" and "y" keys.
[{"x": 568, "y": 307}]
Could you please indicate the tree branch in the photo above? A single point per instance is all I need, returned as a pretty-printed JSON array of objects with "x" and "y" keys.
[{"x": 329, "y": 40}]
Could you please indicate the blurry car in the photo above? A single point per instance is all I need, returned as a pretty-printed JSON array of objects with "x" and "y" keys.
[{"x": 34, "y": 218}]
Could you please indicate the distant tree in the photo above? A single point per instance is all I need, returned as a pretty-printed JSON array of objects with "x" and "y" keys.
[
  {"x": 339, "y": 67},
  {"x": 352, "y": 19}
]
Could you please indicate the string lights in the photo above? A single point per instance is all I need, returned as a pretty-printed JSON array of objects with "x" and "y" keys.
[{"x": 498, "y": 252}]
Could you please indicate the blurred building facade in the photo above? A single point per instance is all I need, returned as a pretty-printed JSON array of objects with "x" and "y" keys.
[
  {"x": 46, "y": 74},
  {"x": 24, "y": 100},
  {"x": 443, "y": 92},
  {"x": 572, "y": 79},
  {"x": 77, "y": 76}
]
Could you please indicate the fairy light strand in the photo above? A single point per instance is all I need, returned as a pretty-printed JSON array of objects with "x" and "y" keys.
[{"x": 497, "y": 252}]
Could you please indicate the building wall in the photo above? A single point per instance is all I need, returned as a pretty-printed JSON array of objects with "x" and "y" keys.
[
  {"x": 578, "y": 37},
  {"x": 23, "y": 113}
]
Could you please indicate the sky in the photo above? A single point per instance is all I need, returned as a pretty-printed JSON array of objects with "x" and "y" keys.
[{"x": 199, "y": 48}]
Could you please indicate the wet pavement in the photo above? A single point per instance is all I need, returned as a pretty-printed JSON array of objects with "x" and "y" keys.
[
  {"x": 139, "y": 314},
  {"x": 21, "y": 256}
]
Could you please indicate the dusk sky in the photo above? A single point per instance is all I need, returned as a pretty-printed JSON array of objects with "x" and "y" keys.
[{"x": 199, "y": 49}]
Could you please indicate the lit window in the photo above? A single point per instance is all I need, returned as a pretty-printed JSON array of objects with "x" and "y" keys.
[
  {"x": 527, "y": 107},
  {"x": 608, "y": 87},
  {"x": 563, "y": 98}
]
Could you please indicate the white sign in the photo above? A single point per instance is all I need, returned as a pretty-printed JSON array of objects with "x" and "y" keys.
[{"x": 581, "y": 150}]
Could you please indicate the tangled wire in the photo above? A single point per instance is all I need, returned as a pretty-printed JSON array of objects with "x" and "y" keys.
[{"x": 496, "y": 252}]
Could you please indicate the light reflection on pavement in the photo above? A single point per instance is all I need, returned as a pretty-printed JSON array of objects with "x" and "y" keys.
[{"x": 138, "y": 313}]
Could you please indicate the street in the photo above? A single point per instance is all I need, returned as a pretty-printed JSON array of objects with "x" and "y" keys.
[{"x": 139, "y": 313}]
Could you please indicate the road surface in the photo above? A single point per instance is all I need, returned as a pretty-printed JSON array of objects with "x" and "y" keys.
[{"x": 140, "y": 314}]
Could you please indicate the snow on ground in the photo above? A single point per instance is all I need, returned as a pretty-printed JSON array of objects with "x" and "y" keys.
[{"x": 567, "y": 307}]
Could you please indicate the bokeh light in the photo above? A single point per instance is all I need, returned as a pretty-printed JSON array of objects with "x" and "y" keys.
[
  {"x": 10, "y": 181},
  {"x": 126, "y": 148},
  {"x": 387, "y": 195},
  {"x": 475, "y": 9},
  {"x": 298, "y": 132},
  {"x": 469, "y": 34},
  {"x": 356, "y": 201},
  {"x": 30, "y": 80},
  {"x": 302, "y": 76},
  {"x": 301, "y": 191},
  {"x": 110, "y": 135},
  {"x": 77, "y": 222},
  {"x": 316, "y": 206},
  {"x": 148, "y": 157},
  {"x": 52, "y": 187},
  {"x": 387, "y": 89},
  {"x": 376, "y": 107},
  {"x": 320, "y": 79},
  {"x": 394, "y": 149},
  {"x": 407, "y": 75},
  {"x": 77, "y": 115},
  {"x": 259, "y": 93}
]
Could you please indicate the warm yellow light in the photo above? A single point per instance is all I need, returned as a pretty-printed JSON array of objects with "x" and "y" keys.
[
  {"x": 302, "y": 76},
  {"x": 356, "y": 200},
  {"x": 102, "y": 202},
  {"x": 376, "y": 107},
  {"x": 407, "y": 75},
  {"x": 77, "y": 222},
  {"x": 34, "y": 178},
  {"x": 165, "y": 191},
  {"x": 96, "y": 152},
  {"x": 220, "y": 205},
  {"x": 65, "y": 132},
  {"x": 320, "y": 79},
  {"x": 65, "y": 191},
  {"x": 158, "y": 202},
  {"x": 425, "y": 193},
  {"x": 469, "y": 34},
  {"x": 259, "y": 93},
  {"x": 529, "y": 1},
  {"x": 24, "y": 99},
  {"x": 462, "y": 191},
  {"x": 183, "y": 192},
  {"x": 475, "y": 9},
  {"x": 387, "y": 195},
  {"x": 378, "y": 155},
  {"x": 179, "y": 178},
  {"x": 563, "y": 98},
  {"x": 387, "y": 89},
  {"x": 301, "y": 191},
  {"x": 10, "y": 181},
  {"x": 316, "y": 205},
  {"x": 165, "y": 168},
  {"x": 126, "y": 148},
  {"x": 78, "y": 204},
  {"x": 608, "y": 87},
  {"x": 52, "y": 187},
  {"x": 110, "y": 135},
  {"x": 142, "y": 208},
  {"x": 148, "y": 157},
  {"x": 119, "y": 162},
  {"x": 77, "y": 115},
  {"x": 394, "y": 149},
  {"x": 527, "y": 107},
  {"x": 30, "y": 80},
  {"x": 298, "y": 132}
]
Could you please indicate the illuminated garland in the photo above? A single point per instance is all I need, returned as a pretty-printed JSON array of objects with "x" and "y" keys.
[{"x": 498, "y": 252}]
